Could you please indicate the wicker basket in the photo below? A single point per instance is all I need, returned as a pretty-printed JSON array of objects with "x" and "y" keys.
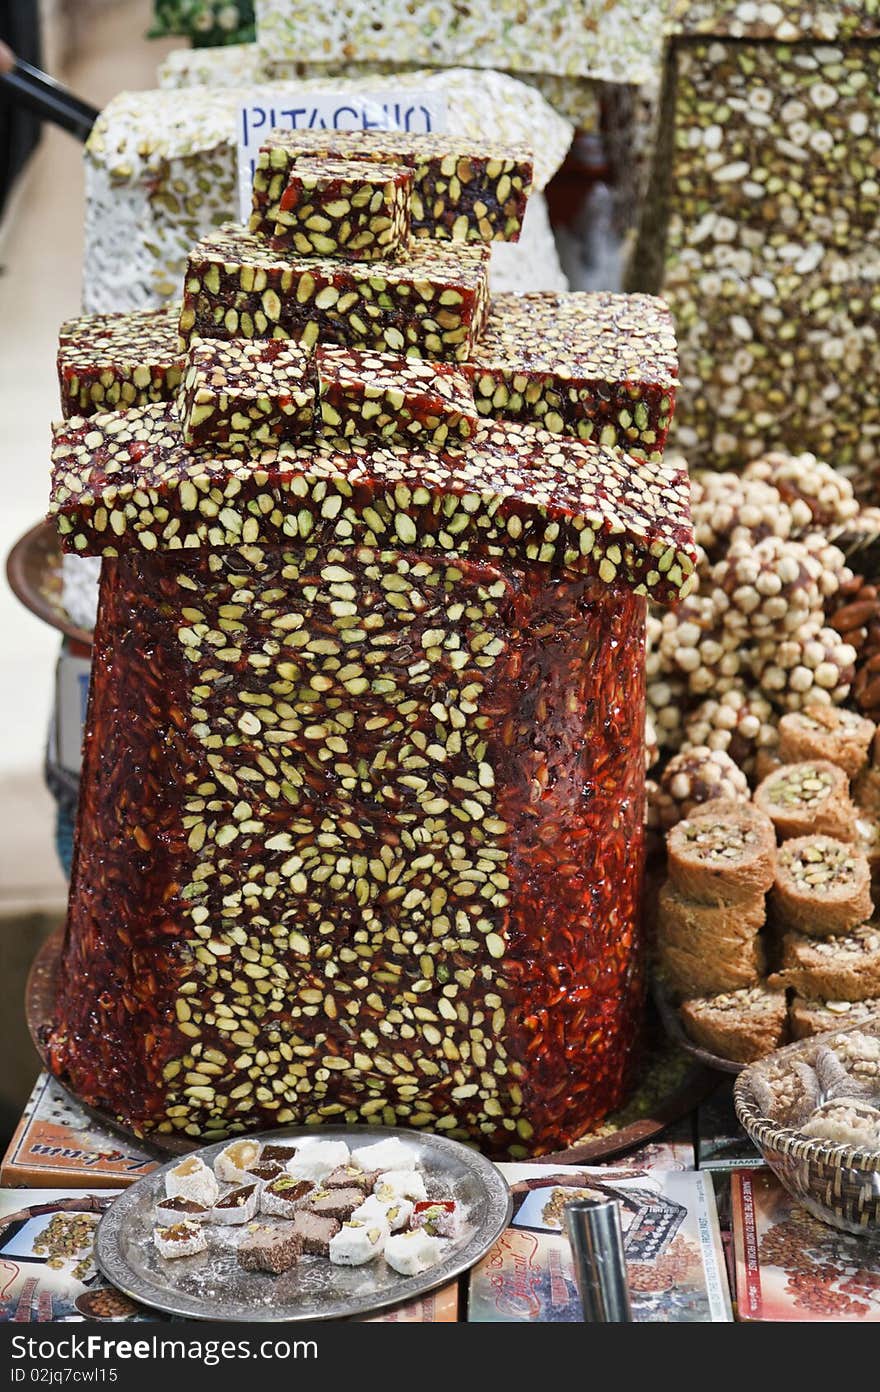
[{"x": 839, "y": 1184}]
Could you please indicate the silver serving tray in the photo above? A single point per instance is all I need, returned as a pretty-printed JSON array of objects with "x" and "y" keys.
[{"x": 212, "y": 1285}]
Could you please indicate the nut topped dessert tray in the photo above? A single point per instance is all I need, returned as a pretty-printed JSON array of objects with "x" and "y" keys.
[{"x": 361, "y": 832}]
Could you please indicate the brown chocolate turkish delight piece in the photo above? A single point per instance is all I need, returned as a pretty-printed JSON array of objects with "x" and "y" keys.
[{"x": 272, "y": 1248}]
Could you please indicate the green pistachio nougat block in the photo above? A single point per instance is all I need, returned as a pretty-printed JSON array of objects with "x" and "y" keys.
[
  {"x": 398, "y": 400},
  {"x": 432, "y": 305},
  {"x": 246, "y": 393},
  {"x": 348, "y": 208}
]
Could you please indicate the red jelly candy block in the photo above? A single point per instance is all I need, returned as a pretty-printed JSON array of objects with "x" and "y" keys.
[
  {"x": 350, "y": 208},
  {"x": 398, "y": 400},
  {"x": 463, "y": 190},
  {"x": 127, "y": 480},
  {"x": 432, "y": 305},
  {"x": 246, "y": 394},
  {"x": 111, "y": 362},
  {"x": 599, "y": 366},
  {"x": 370, "y": 808}
]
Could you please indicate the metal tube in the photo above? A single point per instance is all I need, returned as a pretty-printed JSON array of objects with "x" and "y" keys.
[
  {"x": 596, "y": 1237},
  {"x": 27, "y": 87}
]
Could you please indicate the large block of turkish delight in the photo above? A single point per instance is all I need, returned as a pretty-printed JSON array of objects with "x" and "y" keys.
[
  {"x": 598, "y": 366},
  {"x": 246, "y": 394},
  {"x": 115, "y": 361},
  {"x": 432, "y": 305},
  {"x": 765, "y": 202},
  {"x": 399, "y": 400},
  {"x": 359, "y": 884},
  {"x": 127, "y": 481},
  {"x": 350, "y": 208},
  {"x": 801, "y": 340},
  {"x": 463, "y": 189}
]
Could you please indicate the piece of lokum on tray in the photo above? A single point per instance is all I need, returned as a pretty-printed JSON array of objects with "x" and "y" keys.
[
  {"x": 350, "y": 208},
  {"x": 245, "y": 393},
  {"x": 596, "y": 365},
  {"x": 127, "y": 480},
  {"x": 365, "y": 395},
  {"x": 431, "y": 305},
  {"x": 109, "y": 362},
  {"x": 462, "y": 189}
]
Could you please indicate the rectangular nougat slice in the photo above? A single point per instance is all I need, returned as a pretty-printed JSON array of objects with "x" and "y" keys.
[
  {"x": 432, "y": 305},
  {"x": 463, "y": 190},
  {"x": 398, "y": 400},
  {"x": 596, "y": 365},
  {"x": 246, "y": 394},
  {"x": 109, "y": 362}
]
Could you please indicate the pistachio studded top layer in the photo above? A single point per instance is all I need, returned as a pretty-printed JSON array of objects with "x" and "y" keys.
[
  {"x": 582, "y": 334},
  {"x": 123, "y": 480}
]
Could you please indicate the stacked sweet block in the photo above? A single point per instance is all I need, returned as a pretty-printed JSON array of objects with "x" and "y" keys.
[
  {"x": 765, "y": 190},
  {"x": 361, "y": 823},
  {"x": 809, "y": 960},
  {"x": 161, "y": 171}
]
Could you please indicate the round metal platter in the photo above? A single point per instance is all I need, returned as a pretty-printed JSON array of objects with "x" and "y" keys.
[{"x": 212, "y": 1284}]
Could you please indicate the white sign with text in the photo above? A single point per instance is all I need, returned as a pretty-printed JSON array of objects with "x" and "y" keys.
[{"x": 413, "y": 111}]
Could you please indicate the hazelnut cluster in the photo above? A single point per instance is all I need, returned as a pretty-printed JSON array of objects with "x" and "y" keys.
[{"x": 753, "y": 641}]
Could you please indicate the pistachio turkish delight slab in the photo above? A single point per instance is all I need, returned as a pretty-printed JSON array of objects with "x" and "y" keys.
[
  {"x": 599, "y": 366},
  {"x": 128, "y": 481},
  {"x": 464, "y": 189},
  {"x": 351, "y": 208},
  {"x": 432, "y": 305},
  {"x": 116, "y": 361},
  {"x": 245, "y": 394}
]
